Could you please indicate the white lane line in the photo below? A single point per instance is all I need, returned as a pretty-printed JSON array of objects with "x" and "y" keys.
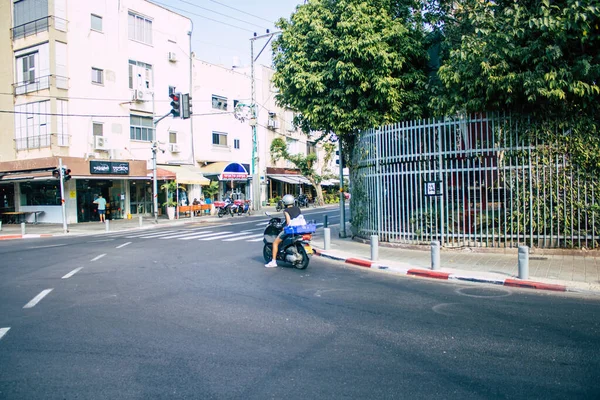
[
  {"x": 44, "y": 247},
  {"x": 3, "y": 331},
  {"x": 203, "y": 235},
  {"x": 98, "y": 257},
  {"x": 221, "y": 235},
  {"x": 70, "y": 274},
  {"x": 243, "y": 237},
  {"x": 184, "y": 235},
  {"x": 123, "y": 245},
  {"x": 37, "y": 298}
]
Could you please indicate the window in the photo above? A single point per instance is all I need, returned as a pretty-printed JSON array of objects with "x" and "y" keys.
[
  {"x": 172, "y": 137},
  {"x": 311, "y": 148},
  {"x": 141, "y": 128},
  {"x": 140, "y": 28},
  {"x": 40, "y": 194},
  {"x": 140, "y": 75},
  {"x": 97, "y": 129},
  {"x": 219, "y": 139},
  {"x": 236, "y": 143},
  {"x": 235, "y": 103},
  {"x": 96, "y": 23},
  {"x": 27, "y": 68},
  {"x": 30, "y": 17},
  {"x": 219, "y": 103},
  {"x": 98, "y": 76},
  {"x": 31, "y": 125},
  {"x": 62, "y": 128}
]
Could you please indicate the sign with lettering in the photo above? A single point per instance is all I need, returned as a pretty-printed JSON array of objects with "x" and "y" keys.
[
  {"x": 433, "y": 188},
  {"x": 109, "y": 167}
]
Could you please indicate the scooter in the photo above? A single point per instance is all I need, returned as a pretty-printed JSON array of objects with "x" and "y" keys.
[
  {"x": 302, "y": 200},
  {"x": 224, "y": 207},
  {"x": 241, "y": 207},
  {"x": 295, "y": 247},
  {"x": 280, "y": 206}
]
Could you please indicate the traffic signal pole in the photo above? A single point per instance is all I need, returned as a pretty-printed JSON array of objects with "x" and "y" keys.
[{"x": 62, "y": 195}]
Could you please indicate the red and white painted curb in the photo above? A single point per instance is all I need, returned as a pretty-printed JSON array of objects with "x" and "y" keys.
[
  {"x": 457, "y": 276},
  {"x": 26, "y": 236}
]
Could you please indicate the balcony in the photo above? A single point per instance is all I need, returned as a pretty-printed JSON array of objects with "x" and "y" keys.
[
  {"x": 38, "y": 26},
  {"x": 40, "y": 83},
  {"x": 41, "y": 141}
]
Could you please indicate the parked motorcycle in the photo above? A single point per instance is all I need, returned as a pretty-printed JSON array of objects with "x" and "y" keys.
[
  {"x": 295, "y": 247},
  {"x": 224, "y": 207},
  {"x": 302, "y": 200},
  {"x": 279, "y": 206},
  {"x": 241, "y": 207}
]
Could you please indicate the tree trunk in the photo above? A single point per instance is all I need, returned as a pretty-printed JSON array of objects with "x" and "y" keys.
[{"x": 318, "y": 189}]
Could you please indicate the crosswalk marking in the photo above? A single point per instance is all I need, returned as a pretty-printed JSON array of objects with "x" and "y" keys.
[
  {"x": 3, "y": 331},
  {"x": 222, "y": 235},
  {"x": 243, "y": 237},
  {"x": 182, "y": 235},
  {"x": 204, "y": 235},
  {"x": 147, "y": 233},
  {"x": 256, "y": 240}
]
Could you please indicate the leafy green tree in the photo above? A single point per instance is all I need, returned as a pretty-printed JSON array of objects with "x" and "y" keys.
[
  {"x": 347, "y": 65},
  {"x": 307, "y": 164},
  {"x": 529, "y": 57}
]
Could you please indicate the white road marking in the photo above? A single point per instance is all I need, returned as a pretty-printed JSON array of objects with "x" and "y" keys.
[
  {"x": 103, "y": 240},
  {"x": 123, "y": 245},
  {"x": 44, "y": 247},
  {"x": 37, "y": 298},
  {"x": 184, "y": 235},
  {"x": 98, "y": 257},
  {"x": 200, "y": 235},
  {"x": 3, "y": 331},
  {"x": 221, "y": 235},
  {"x": 148, "y": 233},
  {"x": 243, "y": 237},
  {"x": 70, "y": 274},
  {"x": 255, "y": 240}
]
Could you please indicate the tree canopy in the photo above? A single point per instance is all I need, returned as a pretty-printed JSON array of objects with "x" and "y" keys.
[{"x": 346, "y": 65}]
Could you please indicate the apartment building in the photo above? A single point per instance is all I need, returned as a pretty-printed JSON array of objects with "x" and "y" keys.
[{"x": 85, "y": 82}]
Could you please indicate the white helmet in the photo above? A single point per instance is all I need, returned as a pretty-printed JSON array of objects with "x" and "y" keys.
[{"x": 288, "y": 200}]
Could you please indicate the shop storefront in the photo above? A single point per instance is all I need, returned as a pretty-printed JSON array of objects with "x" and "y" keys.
[{"x": 233, "y": 179}]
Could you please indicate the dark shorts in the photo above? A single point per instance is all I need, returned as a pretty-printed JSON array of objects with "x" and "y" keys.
[
  {"x": 281, "y": 235},
  {"x": 101, "y": 212}
]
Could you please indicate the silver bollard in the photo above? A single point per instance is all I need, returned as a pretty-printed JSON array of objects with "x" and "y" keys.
[
  {"x": 0, "y": 225},
  {"x": 22, "y": 228},
  {"x": 106, "y": 225},
  {"x": 435, "y": 255},
  {"x": 374, "y": 247},
  {"x": 326, "y": 238},
  {"x": 141, "y": 221},
  {"x": 523, "y": 262}
]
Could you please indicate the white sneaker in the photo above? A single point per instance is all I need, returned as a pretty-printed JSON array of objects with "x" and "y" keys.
[{"x": 271, "y": 264}]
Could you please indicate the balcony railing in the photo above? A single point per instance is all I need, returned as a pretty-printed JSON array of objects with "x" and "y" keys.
[
  {"x": 38, "y": 26},
  {"x": 41, "y": 83},
  {"x": 41, "y": 141}
]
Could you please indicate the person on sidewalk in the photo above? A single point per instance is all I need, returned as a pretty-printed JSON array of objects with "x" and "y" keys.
[
  {"x": 101, "y": 201},
  {"x": 290, "y": 211}
]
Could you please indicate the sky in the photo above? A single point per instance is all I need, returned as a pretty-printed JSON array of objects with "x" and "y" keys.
[{"x": 223, "y": 28}]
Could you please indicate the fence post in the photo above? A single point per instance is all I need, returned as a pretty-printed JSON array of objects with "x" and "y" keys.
[
  {"x": 435, "y": 255},
  {"x": 523, "y": 262},
  {"x": 374, "y": 247},
  {"x": 326, "y": 238}
]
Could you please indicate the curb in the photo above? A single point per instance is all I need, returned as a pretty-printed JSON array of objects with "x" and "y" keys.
[
  {"x": 26, "y": 236},
  {"x": 457, "y": 276}
]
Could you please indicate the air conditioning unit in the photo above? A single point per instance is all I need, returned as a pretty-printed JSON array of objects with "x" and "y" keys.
[
  {"x": 172, "y": 56},
  {"x": 100, "y": 143},
  {"x": 272, "y": 124},
  {"x": 174, "y": 148},
  {"x": 139, "y": 95}
]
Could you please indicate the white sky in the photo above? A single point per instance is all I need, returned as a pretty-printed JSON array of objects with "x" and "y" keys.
[{"x": 223, "y": 28}]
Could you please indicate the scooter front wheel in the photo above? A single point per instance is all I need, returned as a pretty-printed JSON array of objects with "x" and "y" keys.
[{"x": 267, "y": 253}]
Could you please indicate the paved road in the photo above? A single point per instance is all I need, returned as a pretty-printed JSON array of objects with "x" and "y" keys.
[{"x": 188, "y": 314}]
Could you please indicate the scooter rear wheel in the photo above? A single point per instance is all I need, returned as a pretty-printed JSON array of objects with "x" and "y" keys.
[{"x": 304, "y": 263}]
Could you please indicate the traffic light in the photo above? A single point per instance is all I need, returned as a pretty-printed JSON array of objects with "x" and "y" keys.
[
  {"x": 175, "y": 104},
  {"x": 186, "y": 106},
  {"x": 66, "y": 174}
]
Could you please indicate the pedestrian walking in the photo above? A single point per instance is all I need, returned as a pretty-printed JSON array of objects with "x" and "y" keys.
[{"x": 101, "y": 202}]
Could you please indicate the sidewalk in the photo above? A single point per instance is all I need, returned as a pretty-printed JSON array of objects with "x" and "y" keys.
[{"x": 548, "y": 272}]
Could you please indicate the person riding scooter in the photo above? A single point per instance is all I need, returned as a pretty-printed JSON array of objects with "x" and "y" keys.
[{"x": 290, "y": 211}]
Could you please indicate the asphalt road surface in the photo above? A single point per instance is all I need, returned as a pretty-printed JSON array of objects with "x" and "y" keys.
[{"x": 191, "y": 313}]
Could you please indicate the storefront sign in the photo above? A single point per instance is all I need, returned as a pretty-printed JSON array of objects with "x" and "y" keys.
[
  {"x": 233, "y": 176},
  {"x": 109, "y": 167}
]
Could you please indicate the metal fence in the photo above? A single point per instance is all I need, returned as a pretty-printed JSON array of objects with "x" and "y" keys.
[{"x": 476, "y": 182}]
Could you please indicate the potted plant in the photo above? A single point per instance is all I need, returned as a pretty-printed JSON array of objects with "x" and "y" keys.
[
  {"x": 171, "y": 202},
  {"x": 211, "y": 190}
]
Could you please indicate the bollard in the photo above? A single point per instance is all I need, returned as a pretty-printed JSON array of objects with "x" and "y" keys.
[
  {"x": 523, "y": 262},
  {"x": 326, "y": 238},
  {"x": 141, "y": 221},
  {"x": 325, "y": 223},
  {"x": 0, "y": 225},
  {"x": 435, "y": 255},
  {"x": 106, "y": 225},
  {"x": 22, "y": 228},
  {"x": 374, "y": 247}
]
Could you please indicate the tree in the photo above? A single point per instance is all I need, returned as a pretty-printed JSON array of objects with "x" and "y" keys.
[
  {"x": 211, "y": 190},
  {"x": 305, "y": 163},
  {"x": 347, "y": 65}
]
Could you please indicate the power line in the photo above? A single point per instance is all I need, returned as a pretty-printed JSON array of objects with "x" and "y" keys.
[
  {"x": 216, "y": 12},
  {"x": 202, "y": 16},
  {"x": 97, "y": 115},
  {"x": 97, "y": 98},
  {"x": 243, "y": 12}
]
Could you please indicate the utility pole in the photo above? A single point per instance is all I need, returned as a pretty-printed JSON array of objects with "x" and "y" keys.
[
  {"x": 256, "y": 195},
  {"x": 154, "y": 174},
  {"x": 62, "y": 194},
  {"x": 342, "y": 197}
]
